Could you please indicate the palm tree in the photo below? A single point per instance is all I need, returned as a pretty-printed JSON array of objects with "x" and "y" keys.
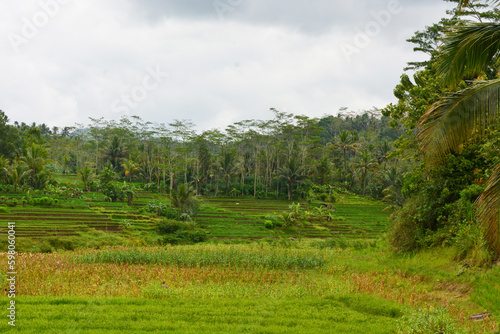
[
  {"x": 228, "y": 167},
  {"x": 130, "y": 168},
  {"x": 35, "y": 159},
  {"x": 468, "y": 50},
  {"x": 86, "y": 175},
  {"x": 115, "y": 152},
  {"x": 15, "y": 174},
  {"x": 4, "y": 165},
  {"x": 292, "y": 174},
  {"x": 366, "y": 164},
  {"x": 346, "y": 142},
  {"x": 393, "y": 183},
  {"x": 183, "y": 198}
]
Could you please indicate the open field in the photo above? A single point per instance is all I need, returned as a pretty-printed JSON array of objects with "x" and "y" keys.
[{"x": 256, "y": 288}]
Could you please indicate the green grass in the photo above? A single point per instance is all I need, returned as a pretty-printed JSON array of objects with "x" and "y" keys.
[
  {"x": 211, "y": 255},
  {"x": 346, "y": 314}
]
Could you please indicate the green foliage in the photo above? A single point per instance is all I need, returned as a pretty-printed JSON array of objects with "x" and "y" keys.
[
  {"x": 183, "y": 199},
  {"x": 180, "y": 232},
  {"x": 172, "y": 226},
  {"x": 44, "y": 201},
  {"x": 406, "y": 233},
  {"x": 427, "y": 321}
]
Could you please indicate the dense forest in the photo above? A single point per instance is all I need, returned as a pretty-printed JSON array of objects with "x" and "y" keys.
[{"x": 286, "y": 157}]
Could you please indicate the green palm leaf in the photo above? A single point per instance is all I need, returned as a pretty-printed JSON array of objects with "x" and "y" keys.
[
  {"x": 464, "y": 3},
  {"x": 489, "y": 211},
  {"x": 468, "y": 50},
  {"x": 458, "y": 117}
]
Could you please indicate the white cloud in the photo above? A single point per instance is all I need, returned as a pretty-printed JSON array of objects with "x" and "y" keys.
[{"x": 220, "y": 71}]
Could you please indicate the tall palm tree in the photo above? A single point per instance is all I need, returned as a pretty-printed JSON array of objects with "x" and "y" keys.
[
  {"x": 115, "y": 152},
  {"x": 34, "y": 159},
  {"x": 467, "y": 51},
  {"x": 86, "y": 175},
  {"x": 366, "y": 164},
  {"x": 16, "y": 174},
  {"x": 292, "y": 174},
  {"x": 228, "y": 166},
  {"x": 346, "y": 142},
  {"x": 4, "y": 165}
]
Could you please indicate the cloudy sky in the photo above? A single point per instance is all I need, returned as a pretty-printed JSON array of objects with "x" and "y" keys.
[{"x": 211, "y": 61}]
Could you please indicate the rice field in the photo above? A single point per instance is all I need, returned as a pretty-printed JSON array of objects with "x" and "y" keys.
[
  {"x": 88, "y": 290},
  {"x": 221, "y": 218}
]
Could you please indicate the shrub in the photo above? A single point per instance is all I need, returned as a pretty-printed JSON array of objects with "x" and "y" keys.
[
  {"x": 172, "y": 226},
  {"x": 470, "y": 244},
  {"x": 44, "y": 201},
  {"x": 269, "y": 224},
  {"x": 405, "y": 234},
  {"x": 432, "y": 321},
  {"x": 58, "y": 243}
]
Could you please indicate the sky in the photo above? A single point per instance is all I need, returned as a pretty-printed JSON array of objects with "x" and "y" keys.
[{"x": 214, "y": 62}]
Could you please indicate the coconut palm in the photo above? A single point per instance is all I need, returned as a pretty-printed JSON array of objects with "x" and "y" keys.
[
  {"x": 183, "y": 198},
  {"x": 4, "y": 165},
  {"x": 346, "y": 142},
  {"x": 34, "y": 160},
  {"x": 16, "y": 174},
  {"x": 228, "y": 167},
  {"x": 130, "y": 168},
  {"x": 86, "y": 175},
  {"x": 115, "y": 152},
  {"x": 467, "y": 51},
  {"x": 366, "y": 164},
  {"x": 292, "y": 174}
]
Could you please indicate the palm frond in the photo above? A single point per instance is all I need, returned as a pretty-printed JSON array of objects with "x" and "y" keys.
[
  {"x": 468, "y": 50},
  {"x": 458, "y": 117},
  {"x": 464, "y": 3},
  {"x": 489, "y": 211}
]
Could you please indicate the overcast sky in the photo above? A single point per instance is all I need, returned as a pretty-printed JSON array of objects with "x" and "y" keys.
[{"x": 214, "y": 62}]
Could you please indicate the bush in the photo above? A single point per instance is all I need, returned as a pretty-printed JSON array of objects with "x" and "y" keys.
[
  {"x": 269, "y": 224},
  {"x": 470, "y": 244},
  {"x": 275, "y": 220},
  {"x": 57, "y": 243},
  {"x": 172, "y": 226},
  {"x": 181, "y": 237},
  {"x": 180, "y": 232},
  {"x": 44, "y": 201},
  {"x": 405, "y": 234}
]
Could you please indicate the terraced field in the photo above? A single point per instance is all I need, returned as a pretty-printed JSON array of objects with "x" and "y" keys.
[
  {"x": 245, "y": 218},
  {"x": 43, "y": 222},
  {"x": 220, "y": 217}
]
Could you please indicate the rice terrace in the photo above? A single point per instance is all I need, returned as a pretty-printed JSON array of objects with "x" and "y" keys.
[{"x": 291, "y": 219}]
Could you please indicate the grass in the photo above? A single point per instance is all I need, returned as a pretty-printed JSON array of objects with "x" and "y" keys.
[
  {"x": 369, "y": 281},
  {"x": 349, "y": 314},
  {"x": 210, "y": 255}
]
